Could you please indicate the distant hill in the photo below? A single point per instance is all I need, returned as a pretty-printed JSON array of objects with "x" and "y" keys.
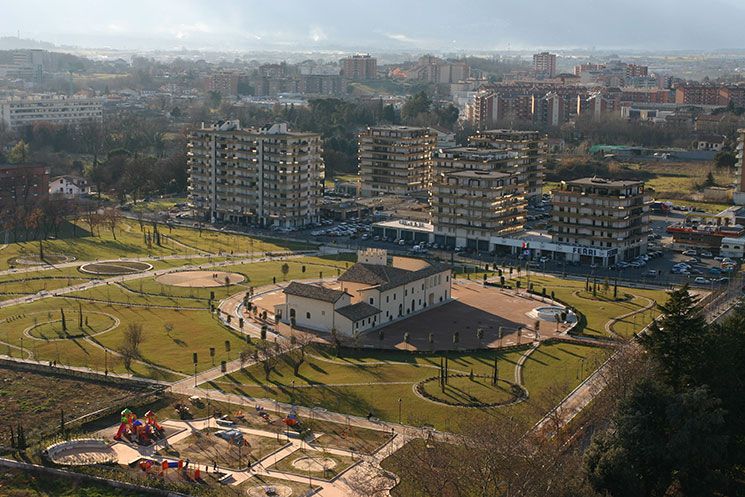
[{"x": 15, "y": 43}]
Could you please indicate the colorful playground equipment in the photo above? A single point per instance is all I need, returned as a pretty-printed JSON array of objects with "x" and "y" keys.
[
  {"x": 264, "y": 415},
  {"x": 136, "y": 431},
  {"x": 151, "y": 466},
  {"x": 292, "y": 420}
]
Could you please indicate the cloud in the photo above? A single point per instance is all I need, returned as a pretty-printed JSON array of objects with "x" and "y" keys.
[
  {"x": 317, "y": 34},
  {"x": 401, "y": 37}
]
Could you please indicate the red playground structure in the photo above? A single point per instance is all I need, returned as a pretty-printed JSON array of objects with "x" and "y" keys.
[{"x": 136, "y": 431}]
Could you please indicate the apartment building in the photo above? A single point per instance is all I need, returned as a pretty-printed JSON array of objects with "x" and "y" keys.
[
  {"x": 269, "y": 176},
  {"x": 17, "y": 113},
  {"x": 395, "y": 160},
  {"x": 23, "y": 185},
  {"x": 695, "y": 94},
  {"x": 738, "y": 196},
  {"x": 430, "y": 69},
  {"x": 528, "y": 150},
  {"x": 544, "y": 64},
  {"x": 595, "y": 214},
  {"x": 223, "y": 82},
  {"x": 359, "y": 67},
  {"x": 470, "y": 206}
]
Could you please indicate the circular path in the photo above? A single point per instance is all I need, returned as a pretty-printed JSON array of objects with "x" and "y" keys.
[
  {"x": 200, "y": 279},
  {"x": 263, "y": 491},
  {"x": 313, "y": 464}
]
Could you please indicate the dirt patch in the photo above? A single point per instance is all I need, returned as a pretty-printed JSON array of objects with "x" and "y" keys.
[
  {"x": 313, "y": 464},
  {"x": 116, "y": 268},
  {"x": 201, "y": 279}
]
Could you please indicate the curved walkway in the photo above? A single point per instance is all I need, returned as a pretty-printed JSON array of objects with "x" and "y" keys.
[{"x": 609, "y": 324}]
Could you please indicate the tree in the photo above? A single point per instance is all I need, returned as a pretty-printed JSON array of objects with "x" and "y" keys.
[
  {"x": 19, "y": 153},
  {"x": 710, "y": 181},
  {"x": 64, "y": 321},
  {"x": 130, "y": 347},
  {"x": 725, "y": 158},
  {"x": 415, "y": 105},
  {"x": 661, "y": 440},
  {"x": 285, "y": 270},
  {"x": 674, "y": 338}
]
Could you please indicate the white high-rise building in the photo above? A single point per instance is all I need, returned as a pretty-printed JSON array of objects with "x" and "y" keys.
[
  {"x": 268, "y": 176},
  {"x": 17, "y": 113}
]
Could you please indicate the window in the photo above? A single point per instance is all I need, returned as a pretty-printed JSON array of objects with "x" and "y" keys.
[
  {"x": 372, "y": 301},
  {"x": 307, "y": 315},
  {"x": 323, "y": 313}
]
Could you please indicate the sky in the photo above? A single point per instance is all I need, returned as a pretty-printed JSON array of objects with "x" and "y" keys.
[{"x": 353, "y": 25}]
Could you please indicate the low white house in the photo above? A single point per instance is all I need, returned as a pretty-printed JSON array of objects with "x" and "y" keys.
[
  {"x": 370, "y": 294},
  {"x": 69, "y": 186}
]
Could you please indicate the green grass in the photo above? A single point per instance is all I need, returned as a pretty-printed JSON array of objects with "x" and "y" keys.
[
  {"x": 130, "y": 242},
  {"x": 597, "y": 312},
  {"x": 13, "y": 288},
  {"x": 192, "y": 331},
  {"x": 52, "y": 330},
  {"x": 331, "y": 377}
]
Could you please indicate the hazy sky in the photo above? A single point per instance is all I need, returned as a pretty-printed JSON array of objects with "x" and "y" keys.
[{"x": 379, "y": 24}]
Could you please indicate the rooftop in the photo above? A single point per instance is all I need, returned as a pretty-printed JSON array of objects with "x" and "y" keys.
[
  {"x": 387, "y": 277},
  {"x": 360, "y": 310},
  {"x": 406, "y": 225},
  {"x": 603, "y": 182},
  {"x": 314, "y": 292}
]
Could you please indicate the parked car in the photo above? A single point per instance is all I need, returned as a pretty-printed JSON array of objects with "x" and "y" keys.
[
  {"x": 706, "y": 253},
  {"x": 715, "y": 270},
  {"x": 700, "y": 280},
  {"x": 690, "y": 252}
]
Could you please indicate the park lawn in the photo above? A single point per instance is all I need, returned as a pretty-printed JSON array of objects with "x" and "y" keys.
[
  {"x": 193, "y": 331},
  {"x": 217, "y": 242},
  {"x": 597, "y": 312},
  {"x": 129, "y": 243},
  {"x": 263, "y": 273},
  {"x": 119, "y": 295},
  {"x": 551, "y": 372},
  {"x": 13, "y": 288},
  {"x": 337, "y": 384}
]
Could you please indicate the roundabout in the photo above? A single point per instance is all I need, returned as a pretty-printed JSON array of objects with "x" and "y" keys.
[
  {"x": 464, "y": 390},
  {"x": 201, "y": 279},
  {"x": 115, "y": 268}
]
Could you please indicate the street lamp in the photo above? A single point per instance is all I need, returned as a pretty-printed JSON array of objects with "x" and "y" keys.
[{"x": 400, "y": 401}]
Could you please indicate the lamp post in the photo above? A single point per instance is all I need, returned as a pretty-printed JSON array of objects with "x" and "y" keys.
[{"x": 400, "y": 402}]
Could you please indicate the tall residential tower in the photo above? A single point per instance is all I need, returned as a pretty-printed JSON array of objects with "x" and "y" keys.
[{"x": 267, "y": 176}]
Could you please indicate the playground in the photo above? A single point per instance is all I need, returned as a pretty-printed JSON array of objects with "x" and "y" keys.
[{"x": 201, "y": 279}]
